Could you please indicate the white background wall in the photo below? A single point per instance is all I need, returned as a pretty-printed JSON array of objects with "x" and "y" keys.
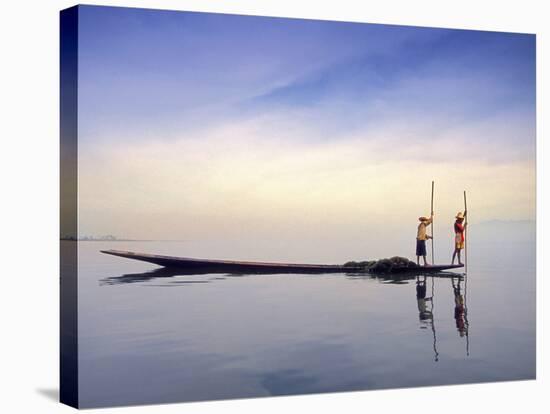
[{"x": 29, "y": 204}]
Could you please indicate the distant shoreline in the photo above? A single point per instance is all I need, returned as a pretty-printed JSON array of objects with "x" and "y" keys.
[
  {"x": 117, "y": 240},
  {"x": 106, "y": 240}
]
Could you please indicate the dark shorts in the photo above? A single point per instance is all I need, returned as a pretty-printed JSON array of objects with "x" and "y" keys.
[{"x": 420, "y": 247}]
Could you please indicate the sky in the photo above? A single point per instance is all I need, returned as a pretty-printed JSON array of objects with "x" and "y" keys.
[{"x": 201, "y": 126}]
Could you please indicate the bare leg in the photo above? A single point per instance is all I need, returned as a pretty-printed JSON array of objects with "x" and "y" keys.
[
  {"x": 418, "y": 260},
  {"x": 425, "y": 262},
  {"x": 455, "y": 253}
]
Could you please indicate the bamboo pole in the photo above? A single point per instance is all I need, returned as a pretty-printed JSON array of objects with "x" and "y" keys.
[
  {"x": 465, "y": 234},
  {"x": 432, "y": 226}
]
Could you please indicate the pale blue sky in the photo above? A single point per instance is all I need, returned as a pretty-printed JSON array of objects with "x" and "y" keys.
[{"x": 165, "y": 72}]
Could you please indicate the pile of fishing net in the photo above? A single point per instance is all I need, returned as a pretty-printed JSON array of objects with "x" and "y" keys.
[{"x": 382, "y": 265}]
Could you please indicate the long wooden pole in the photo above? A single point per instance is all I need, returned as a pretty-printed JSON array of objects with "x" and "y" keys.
[
  {"x": 465, "y": 234},
  {"x": 432, "y": 226}
]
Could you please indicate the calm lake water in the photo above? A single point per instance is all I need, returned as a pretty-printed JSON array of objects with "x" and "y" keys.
[{"x": 148, "y": 338}]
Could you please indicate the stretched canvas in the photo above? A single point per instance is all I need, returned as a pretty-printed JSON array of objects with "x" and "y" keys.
[{"x": 256, "y": 206}]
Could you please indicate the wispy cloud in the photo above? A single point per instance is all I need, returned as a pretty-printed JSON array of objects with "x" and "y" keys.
[{"x": 249, "y": 173}]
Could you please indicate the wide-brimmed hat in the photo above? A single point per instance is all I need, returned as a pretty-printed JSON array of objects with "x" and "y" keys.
[
  {"x": 459, "y": 215},
  {"x": 422, "y": 218}
]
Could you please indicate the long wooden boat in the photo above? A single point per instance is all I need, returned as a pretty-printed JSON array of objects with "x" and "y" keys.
[{"x": 232, "y": 266}]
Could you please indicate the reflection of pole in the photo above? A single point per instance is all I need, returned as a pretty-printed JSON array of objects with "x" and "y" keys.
[
  {"x": 433, "y": 325},
  {"x": 432, "y": 227}
]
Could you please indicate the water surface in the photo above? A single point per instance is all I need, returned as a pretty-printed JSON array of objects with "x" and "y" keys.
[{"x": 150, "y": 336}]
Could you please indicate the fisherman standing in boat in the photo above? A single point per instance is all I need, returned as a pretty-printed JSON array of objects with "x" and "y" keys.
[
  {"x": 459, "y": 235},
  {"x": 421, "y": 237}
]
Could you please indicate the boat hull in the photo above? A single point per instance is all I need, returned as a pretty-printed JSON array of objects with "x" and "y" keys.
[{"x": 231, "y": 266}]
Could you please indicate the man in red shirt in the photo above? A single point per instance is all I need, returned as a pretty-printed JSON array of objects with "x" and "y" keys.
[{"x": 459, "y": 235}]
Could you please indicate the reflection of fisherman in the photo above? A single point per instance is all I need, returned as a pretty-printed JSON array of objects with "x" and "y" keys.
[
  {"x": 423, "y": 313},
  {"x": 421, "y": 237},
  {"x": 460, "y": 310},
  {"x": 426, "y": 316}
]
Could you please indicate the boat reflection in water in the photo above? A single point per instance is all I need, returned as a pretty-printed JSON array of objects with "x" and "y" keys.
[
  {"x": 425, "y": 303},
  {"x": 163, "y": 272}
]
